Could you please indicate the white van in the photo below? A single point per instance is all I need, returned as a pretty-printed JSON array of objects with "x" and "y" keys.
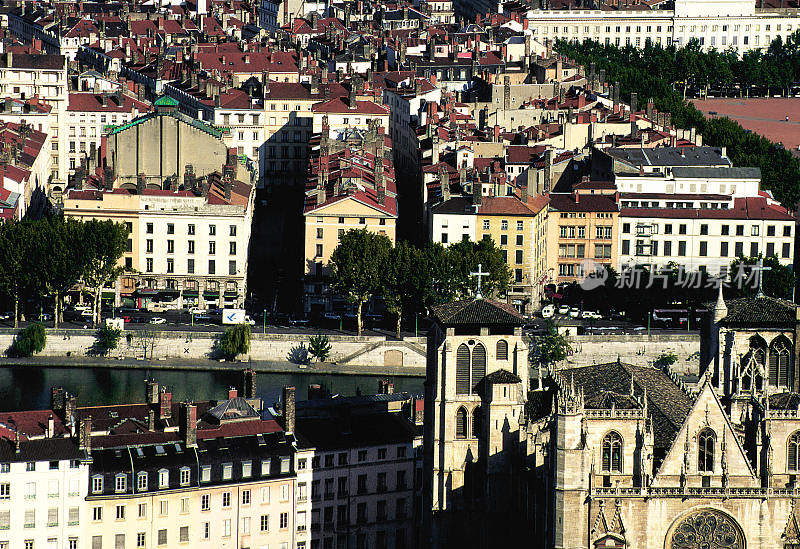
[{"x": 548, "y": 311}]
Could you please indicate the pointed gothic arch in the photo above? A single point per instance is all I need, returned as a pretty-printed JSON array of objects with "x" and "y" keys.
[
  {"x": 477, "y": 423},
  {"x": 705, "y": 450},
  {"x": 461, "y": 422},
  {"x": 462, "y": 370},
  {"x": 612, "y": 453},
  {"x": 780, "y": 362},
  {"x": 793, "y": 452}
]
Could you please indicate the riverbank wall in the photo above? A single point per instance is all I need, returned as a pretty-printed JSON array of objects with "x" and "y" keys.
[{"x": 373, "y": 351}]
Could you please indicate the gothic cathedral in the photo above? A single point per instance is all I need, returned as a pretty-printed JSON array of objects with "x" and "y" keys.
[{"x": 613, "y": 455}]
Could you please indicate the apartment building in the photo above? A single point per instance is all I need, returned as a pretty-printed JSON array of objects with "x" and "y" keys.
[
  {"x": 24, "y": 76},
  {"x": 358, "y": 472},
  {"x": 581, "y": 226},
  {"x": 25, "y": 170},
  {"x": 205, "y": 474},
  {"x": 735, "y": 24},
  {"x": 90, "y": 116},
  {"x": 349, "y": 113},
  {"x": 43, "y": 481},
  {"x": 517, "y": 225},
  {"x": 351, "y": 185},
  {"x": 184, "y": 249}
]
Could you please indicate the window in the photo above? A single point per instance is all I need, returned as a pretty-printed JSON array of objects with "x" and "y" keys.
[
  {"x": 97, "y": 513},
  {"x": 226, "y": 527},
  {"x": 149, "y": 228},
  {"x": 265, "y": 523},
  {"x": 779, "y": 362},
  {"x": 205, "y": 473},
  {"x": 626, "y": 228},
  {"x": 205, "y": 502},
  {"x": 231, "y": 267},
  {"x": 703, "y": 248},
  {"x": 5, "y": 490},
  {"x": 612, "y": 453},
  {"x": 185, "y": 476},
  {"x": 792, "y": 447},
  {"x": 703, "y": 229},
  {"x": 212, "y": 230},
  {"x": 754, "y": 230},
  {"x": 723, "y": 249},
  {"x": 97, "y": 484},
  {"x": 362, "y": 455},
  {"x": 787, "y": 230},
  {"x": 183, "y": 534},
  {"x": 142, "y": 510},
  {"x": 226, "y": 499},
  {"x": 163, "y": 478},
  {"x": 739, "y": 230},
  {"x": 163, "y": 507},
  {"x": 141, "y": 539},
  {"x": 785, "y": 249},
  {"x": 284, "y": 520},
  {"x": 212, "y": 267},
  {"x": 681, "y": 247},
  {"x": 626, "y": 247},
  {"x": 170, "y": 228},
  {"x": 190, "y": 266},
  {"x": 149, "y": 245},
  {"x": 245, "y": 497},
  {"x": 162, "y": 536},
  {"x": 502, "y": 350},
  {"x": 233, "y": 230},
  {"x": 461, "y": 423},
  {"x": 190, "y": 229},
  {"x": 149, "y": 264},
  {"x": 476, "y": 433},
  {"x": 485, "y": 224},
  {"x": 705, "y": 451}
]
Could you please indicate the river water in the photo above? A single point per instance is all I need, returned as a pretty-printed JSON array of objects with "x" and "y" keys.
[{"x": 28, "y": 387}]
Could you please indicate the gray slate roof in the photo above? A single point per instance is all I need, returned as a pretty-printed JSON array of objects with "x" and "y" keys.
[
  {"x": 232, "y": 410},
  {"x": 760, "y": 311},
  {"x": 482, "y": 312},
  {"x": 721, "y": 173},
  {"x": 670, "y": 156}
]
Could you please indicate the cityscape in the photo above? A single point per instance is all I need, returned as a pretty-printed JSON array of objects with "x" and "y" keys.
[{"x": 337, "y": 274}]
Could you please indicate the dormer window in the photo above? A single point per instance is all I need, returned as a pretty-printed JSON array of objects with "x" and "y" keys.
[{"x": 163, "y": 478}]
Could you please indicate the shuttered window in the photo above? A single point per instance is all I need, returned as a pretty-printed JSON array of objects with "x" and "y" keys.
[
  {"x": 462, "y": 370},
  {"x": 461, "y": 423},
  {"x": 794, "y": 445},
  {"x": 502, "y": 350},
  {"x": 478, "y": 364}
]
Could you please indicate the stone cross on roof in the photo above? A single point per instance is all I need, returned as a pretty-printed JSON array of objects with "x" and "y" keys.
[
  {"x": 760, "y": 269},
  {"x": 480, "y": 273}
]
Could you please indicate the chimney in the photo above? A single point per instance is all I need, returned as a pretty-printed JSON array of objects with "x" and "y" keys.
[
  {"x": 70, "y": 413},
  {"x": 385, "y": 387},
  {"x": 634, "y": 102},
  {"x": 524, "y": 191},
  {"x": 140, "y": 183},
  {"x": 58, "y": 400},
  {"x": 249, "y": 384},
  {"x": 477, "y": 193},
  {"x": 51, "y": 426},
  {"x": 444, "y": 180},
  {"x": 85, "y": 436},
  {"x": 507, "y": 92},
  {"x": 288, "y": 409},
  {"x": 548, "y": 170},
  {"x": 188, "y": 425},
  {"x": 151, "y": 420},
  {"x": 151, "y": 391},
  {"x": 232, "y": 393},
  {"x": 164, "y": 404}
]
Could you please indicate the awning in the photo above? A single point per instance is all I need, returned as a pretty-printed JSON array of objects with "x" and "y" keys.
[
  {"x": 190, "y": 293},
  {"x": 211, "y": 295},
  {"x": 169, "y": 294},
  {"x": 109, "y": 293},
  {"x": 146, "y": 292},
  {"x": 231, "y": 293}
]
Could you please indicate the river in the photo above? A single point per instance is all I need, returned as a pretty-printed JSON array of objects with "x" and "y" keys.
[{"x": 28, "y": 387}]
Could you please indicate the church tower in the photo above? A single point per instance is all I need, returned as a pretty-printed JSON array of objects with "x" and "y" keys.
[{"x": 476, "y": 385}]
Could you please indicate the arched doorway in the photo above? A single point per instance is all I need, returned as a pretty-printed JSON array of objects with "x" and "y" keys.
[{"x": 705, "y": 529}]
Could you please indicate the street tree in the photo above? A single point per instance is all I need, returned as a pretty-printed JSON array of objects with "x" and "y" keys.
[
  {"x": 102, "y": 245},
  {"x": 358, "y": 266}
]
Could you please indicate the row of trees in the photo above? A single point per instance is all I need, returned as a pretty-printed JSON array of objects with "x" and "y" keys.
[
  {"x": 655, "y": 71},
  {"x": 47, "y": 257},
  {"x": 365, "y": 264}
]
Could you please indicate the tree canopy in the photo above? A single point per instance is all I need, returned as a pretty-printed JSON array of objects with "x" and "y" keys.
[{"x": 665, "y": 73}]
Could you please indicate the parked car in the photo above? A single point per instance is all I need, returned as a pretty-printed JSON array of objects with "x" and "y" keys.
[
  {"x": 126, "y": 319},
  {"x": 563, "y": 310},
  {"x": 6, "y": 316},
  {"x": 249, "y": 320},
  {"x": 139, "y": 320},
  {"x": 332, "y": 317},
  {"x": 158, "y": 320},
  {"x": 574, "y": 312},
  {"x": 548, "y": 311},
  {"x": 299, "y": 321}
]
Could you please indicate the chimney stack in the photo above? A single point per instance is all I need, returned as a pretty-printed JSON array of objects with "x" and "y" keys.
[
  {"x": 85, "y": 436},
  {"x": 249, "y": 384},
  {"x": 232, "y": 393},
  {"x": 58, "y": 400},
  {"x": 477, "y": 193},
  {"x": 151, "y": 391},
  {"x": 164, "y": 404},
  {"x": 288, "y": 409},
  {"x": 188, "y": 426},
  {"x": 151, "y": 420}
]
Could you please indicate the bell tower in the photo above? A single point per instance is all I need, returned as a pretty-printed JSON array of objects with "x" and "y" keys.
[{"x": 475, "y": 392}]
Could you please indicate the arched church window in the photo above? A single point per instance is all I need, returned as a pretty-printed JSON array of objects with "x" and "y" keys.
[
  {"x": 461, "y": 423},
  {"x": 779, "y": 357},
  {"x": 793, "y": 449},
  {"x": 706, "y": 528},
  {"x": 462, "y": 370},
  {"x": 612, "y": 453},
  {"x": 478, "y": 363},
  {"x": 476, "y": 422},
  {"x": 705, "y": 451},
  {"x": 502, "y": 350}
]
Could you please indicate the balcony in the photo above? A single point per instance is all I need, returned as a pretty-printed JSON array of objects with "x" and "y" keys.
[
  {"x": 301, "y": 527},
  {"x": 301, "y": 499},
  {"x": 328, "y": 497}
]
